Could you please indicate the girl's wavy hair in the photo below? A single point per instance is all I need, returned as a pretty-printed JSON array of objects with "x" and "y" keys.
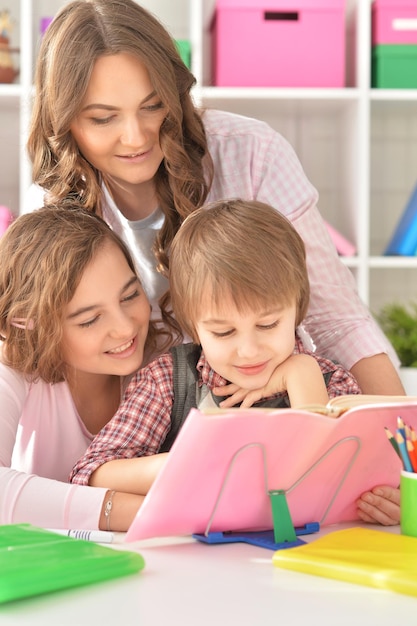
[
  {"x": 244, "y": 250},
  {"x": 42, "y": 258},
  {"x": 81, "y": 32}
]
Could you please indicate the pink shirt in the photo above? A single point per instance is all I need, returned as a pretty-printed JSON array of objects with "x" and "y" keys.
[{"x": 42, "y": 436}]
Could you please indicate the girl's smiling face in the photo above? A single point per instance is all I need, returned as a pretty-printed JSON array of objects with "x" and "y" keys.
[{"x": 106, "y": 322}]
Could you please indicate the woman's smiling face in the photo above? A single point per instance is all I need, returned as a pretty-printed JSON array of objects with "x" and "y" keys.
[{"x": 117, "y": 129}]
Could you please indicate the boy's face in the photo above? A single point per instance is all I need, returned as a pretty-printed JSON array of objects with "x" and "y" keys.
[{"x": 246, "y": 347}]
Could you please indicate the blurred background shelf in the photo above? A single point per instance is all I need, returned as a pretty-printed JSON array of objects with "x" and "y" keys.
[{"x": 358, "y": 145}]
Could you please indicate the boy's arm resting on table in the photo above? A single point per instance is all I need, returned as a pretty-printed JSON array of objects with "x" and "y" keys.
[
  {"x": 131, "y": 475},
  {"x": 123, "y": 455},
  {"x": 381, "y": 505}
]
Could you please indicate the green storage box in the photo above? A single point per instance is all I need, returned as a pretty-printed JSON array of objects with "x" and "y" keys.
[
  {"x": 394, "y": 66},
  {"x": 35, "y": 561},
  {"x": 184, "y": 48}
]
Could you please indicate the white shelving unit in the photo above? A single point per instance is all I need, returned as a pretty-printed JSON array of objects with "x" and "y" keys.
[{"x": 357, "y": 145}]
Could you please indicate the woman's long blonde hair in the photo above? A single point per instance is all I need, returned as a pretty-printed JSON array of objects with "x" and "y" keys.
[
  {"x": 81, "y": 32},
  {"x": 43, "y": 256}
]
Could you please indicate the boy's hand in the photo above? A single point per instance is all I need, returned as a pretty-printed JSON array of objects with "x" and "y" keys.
[
  {"x": 276, "y": 384},
  {"x": 299, "y": 375},
  {"x": 237, "y": 395},
  {"x": 380, "y": 506}
]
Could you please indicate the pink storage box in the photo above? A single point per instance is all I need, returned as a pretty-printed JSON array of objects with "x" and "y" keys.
[
  {"x": 279, "y": 43},
  {"x": 394, "y": 21}
]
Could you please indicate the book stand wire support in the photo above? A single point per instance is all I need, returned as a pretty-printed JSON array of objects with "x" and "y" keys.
[{"x": 284, "y": 534}]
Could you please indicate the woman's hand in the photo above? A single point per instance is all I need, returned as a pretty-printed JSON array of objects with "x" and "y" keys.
[{"x": 381, "y": 505}]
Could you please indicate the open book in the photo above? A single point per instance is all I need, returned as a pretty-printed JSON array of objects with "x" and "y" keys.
[
  {"x": 340, "y": 404},
  {"x": 224, "y": 462}
]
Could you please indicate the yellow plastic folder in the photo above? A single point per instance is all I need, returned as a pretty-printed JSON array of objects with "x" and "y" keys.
[{"x": 358, "y": 555}]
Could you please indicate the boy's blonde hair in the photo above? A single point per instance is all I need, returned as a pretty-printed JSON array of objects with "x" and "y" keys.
[
  {"x": 245, "y": 250},
  {"x": 43, "y": 256}
]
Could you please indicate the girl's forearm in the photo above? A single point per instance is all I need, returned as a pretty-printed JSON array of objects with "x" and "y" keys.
[{"x": 123, "y": 509}]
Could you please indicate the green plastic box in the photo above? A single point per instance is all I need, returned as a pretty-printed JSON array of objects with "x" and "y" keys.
[
  {"x": 34, "y": 561},
  {"x": 184, "y": 48},
  {"x": 394, "y": 66}
]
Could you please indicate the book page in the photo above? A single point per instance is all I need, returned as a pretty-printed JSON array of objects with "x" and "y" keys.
[{"x": 340, "y": 404}]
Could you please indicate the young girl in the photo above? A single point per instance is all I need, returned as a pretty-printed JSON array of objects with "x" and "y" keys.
[
  {"x": 74, "y": 325},
  {"x": 118, "y": 130},
  {"x": 239, "y": 288}
]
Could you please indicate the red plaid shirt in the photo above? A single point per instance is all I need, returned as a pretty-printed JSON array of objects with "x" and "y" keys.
[{"x": 144, "y": 417}]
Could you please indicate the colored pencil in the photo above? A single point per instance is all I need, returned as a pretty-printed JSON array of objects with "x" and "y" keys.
[
  {"x": 403, "y": 451},
  {"x": 401, "y": 427},
  {"x": 412, "y": 454},
  {"x": 392, "y": 441},
  {"x": 407, "y": 431}
]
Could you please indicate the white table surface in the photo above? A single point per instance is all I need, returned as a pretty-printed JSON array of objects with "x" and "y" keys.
[{"x": 188, "y": 583}]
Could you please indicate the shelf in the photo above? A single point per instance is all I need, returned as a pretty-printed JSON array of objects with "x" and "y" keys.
[
  {"x": 268, "y": 99},
  {"x": 393, "y": 95},
  {"x": 10, "y": 91},
  {"x": 350, "y": 261},
  {"x": 393, "y": 262},
  {"x": 357, "y": 145},
  {"x": 279, "y": 93}
]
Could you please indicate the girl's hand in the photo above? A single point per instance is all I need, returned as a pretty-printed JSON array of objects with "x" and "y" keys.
[{"x": 381, "y": 505}]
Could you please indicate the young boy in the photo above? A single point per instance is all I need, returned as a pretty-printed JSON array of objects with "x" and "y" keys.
[{"x": 239, "y": 289}]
